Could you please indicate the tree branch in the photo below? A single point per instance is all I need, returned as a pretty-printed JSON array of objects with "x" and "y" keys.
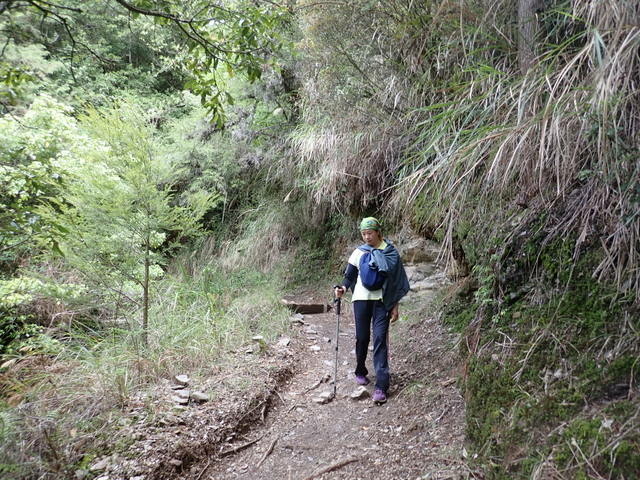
[
  {"x": 174, "y": 18},
  {"x": 9, "y": 247},
  {"x": 54, "y": 5},
  {"x": 192, "y": 22}
]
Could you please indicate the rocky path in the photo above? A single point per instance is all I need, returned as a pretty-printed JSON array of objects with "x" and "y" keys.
[{"x": 417, "y": 434}]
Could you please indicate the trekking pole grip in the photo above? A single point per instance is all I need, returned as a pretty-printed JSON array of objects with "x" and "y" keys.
[{"x": 337, "y": 300}]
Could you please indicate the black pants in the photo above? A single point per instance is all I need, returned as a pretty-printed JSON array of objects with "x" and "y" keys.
[{"x": 371, "y": 315}]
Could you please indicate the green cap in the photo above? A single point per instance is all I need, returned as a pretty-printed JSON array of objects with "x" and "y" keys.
[{"x": 369, "y": 223}]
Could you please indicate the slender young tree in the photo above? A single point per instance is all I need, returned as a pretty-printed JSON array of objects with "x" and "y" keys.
[
  {"x": 527, "y": 31},
  {"x": 119, "y": 221}
]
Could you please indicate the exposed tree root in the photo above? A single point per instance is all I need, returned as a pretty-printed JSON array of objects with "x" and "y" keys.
[
  {"x": 240, "y": 447},
  {"x": 331, "y": 468},
  {"x": 267, "y": 453}
]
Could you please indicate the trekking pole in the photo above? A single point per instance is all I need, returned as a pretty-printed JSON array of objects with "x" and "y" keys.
[{"x": 338, "y": 302}]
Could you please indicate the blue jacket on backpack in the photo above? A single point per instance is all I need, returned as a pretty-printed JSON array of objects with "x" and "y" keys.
[{"x": 388, "y": 262}]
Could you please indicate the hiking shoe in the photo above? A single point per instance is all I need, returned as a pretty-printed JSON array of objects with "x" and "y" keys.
[
  {"x": 379, "y": 396},
  {"x": 362, "y": 380}
]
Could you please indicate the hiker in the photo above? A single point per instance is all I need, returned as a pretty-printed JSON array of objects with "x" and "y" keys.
[{"x": 376, "y": 264}]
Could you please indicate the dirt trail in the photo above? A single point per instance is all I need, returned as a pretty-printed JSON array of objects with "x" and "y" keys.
[{"x": 417, "y": 434}]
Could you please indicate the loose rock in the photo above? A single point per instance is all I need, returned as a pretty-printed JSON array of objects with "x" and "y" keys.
[
  {"x": 180, "y": 400},
  {"x": 182, "y": 380},
  {"x": 323, "y": 398},
  {"x": 298, "y": 318},
  {"x": 183, "y": 394},
  {"x": 100, "y": 465},
  {"x": 200, "y": 397},
  {"x": 359, "y": 393}
]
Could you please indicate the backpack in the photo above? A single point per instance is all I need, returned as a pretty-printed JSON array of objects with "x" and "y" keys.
[{"x": 371, "y": 278}]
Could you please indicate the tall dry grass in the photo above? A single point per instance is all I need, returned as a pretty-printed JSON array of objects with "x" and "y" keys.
[
  {"x": 348, "y": 169},
  {"x": 563, "y": 137},
  {"x": 355, "y": 100}
]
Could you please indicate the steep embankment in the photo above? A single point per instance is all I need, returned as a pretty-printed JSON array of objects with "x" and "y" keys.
[{"x": 551, "y": 362}]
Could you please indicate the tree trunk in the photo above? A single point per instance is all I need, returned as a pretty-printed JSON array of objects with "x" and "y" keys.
[
  {"x": 527, "y": 31},
  {"x": 462, "y": 265},
  {"x": 145, "y": 297}
]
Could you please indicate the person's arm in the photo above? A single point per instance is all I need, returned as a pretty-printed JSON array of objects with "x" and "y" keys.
[
  {"x": 350, "y": 279},
  {"x": 394, "y": 313}
]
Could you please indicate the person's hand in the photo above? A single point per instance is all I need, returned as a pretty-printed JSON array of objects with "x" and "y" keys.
[
  {"x": 339, "y": 291},
  {"x": 394, "y": 314}
]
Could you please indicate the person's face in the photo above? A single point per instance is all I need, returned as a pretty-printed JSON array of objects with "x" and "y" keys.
[{"x": 371, "y": 237}]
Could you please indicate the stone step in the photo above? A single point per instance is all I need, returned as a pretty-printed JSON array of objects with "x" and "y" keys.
[{"x": 305, "y": 307}]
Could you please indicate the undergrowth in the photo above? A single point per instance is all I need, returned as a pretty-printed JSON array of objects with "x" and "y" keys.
[{"x": 58, "y": 409}]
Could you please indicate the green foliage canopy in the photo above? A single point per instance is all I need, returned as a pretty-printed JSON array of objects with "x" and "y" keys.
[
  {"x": 208, "y": 42},
  {"x": 30, "y": 152}
]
